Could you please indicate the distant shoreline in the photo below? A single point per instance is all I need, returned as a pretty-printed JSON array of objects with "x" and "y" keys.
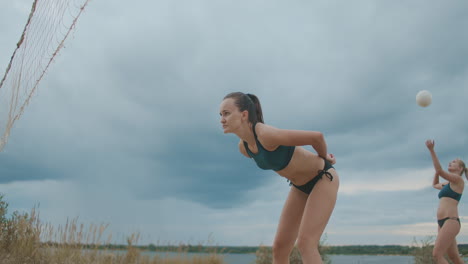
[{"x": 384, "y": 250}]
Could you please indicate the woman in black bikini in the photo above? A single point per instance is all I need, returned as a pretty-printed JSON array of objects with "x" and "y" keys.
[
  {"x": 447, "y": 213},
  {"x": 312, "y": 198}
]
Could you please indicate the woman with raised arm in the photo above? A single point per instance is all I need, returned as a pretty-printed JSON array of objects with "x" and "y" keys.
[
  {"x": 314, "y": 181},
  {"x": 447, "y": 213}
]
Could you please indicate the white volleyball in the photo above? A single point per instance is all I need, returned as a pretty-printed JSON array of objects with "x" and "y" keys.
[{"x": 424, "y": 98}]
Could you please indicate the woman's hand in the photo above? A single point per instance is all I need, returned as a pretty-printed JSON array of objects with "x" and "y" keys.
[
  {"x": 331, "y": 158},
  {"x": 430, "y": 144}
]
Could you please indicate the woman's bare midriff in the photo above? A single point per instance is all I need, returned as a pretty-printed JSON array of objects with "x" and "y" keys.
[
  {"x": 304, "y": 166},
  {"x": 448, "y": 207}
]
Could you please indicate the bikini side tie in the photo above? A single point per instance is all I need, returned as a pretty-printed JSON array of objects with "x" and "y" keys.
[{"x": 326, "y": 173}]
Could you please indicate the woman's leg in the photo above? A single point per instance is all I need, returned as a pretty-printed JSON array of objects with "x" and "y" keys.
[
  {"x": 317, "y": 212},
  {"x": 444, "y": 240},
  {"x": 288, "y": 226},
  {"x": 453, "y": 253}
]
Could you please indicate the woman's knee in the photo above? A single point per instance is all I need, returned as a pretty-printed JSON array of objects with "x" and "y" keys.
[
  {"x": 281, "y": 248},
  {"x": 305, "y": 244},
  {"x": 437, "y": 254}
]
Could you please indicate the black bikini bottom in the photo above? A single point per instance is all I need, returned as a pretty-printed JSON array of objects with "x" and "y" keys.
[
  {"x": 307, "y": 188},
  {"x": 442, "y": 221}
]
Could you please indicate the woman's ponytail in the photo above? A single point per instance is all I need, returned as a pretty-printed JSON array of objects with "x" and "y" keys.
[
  {"x": 250, "y": 103},
  {"x": 258, "y": 108},
  {"x": 465, "y": 169}
]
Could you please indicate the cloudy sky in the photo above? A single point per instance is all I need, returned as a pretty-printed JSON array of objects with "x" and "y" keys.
[{"x": 125, "y": 127}]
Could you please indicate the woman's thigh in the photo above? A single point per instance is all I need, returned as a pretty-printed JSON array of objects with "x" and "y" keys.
[
  {"x": 319, "y": 207},
  {"x": 446, "y": 235},
  {"x": 290, "y": 218}
]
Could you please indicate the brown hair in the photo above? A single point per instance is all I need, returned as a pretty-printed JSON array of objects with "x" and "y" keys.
[
  {"x": 250, "y": 103},
  {"x": 465, "y": 169}
]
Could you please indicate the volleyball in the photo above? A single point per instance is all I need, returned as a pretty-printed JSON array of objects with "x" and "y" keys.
[{"x": 424, "y": 98}]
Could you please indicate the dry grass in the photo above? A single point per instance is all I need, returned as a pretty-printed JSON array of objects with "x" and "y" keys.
[
  {"x": 423, "y": 251},
  {"x": 25, "y": 240},
  {"x": 264, "y": 255}
]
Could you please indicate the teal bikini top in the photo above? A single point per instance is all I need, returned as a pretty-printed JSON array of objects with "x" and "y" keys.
[
  {"x": 275, "y": 160},
  {"x": 448, "y": 192}
]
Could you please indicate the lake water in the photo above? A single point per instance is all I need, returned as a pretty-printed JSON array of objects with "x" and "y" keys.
[
  {"x": 335, "y": 259},
  {"x": 344, "y": 259}
]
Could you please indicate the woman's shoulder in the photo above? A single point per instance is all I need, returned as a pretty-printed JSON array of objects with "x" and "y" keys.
[
  {"x": 458, "y": 184},
  {"x": 271, "y": 137},
  {"x": 457, "y": 179},
  {"x": 265, "y": 133},
  {"x": 262, "y": 129}
]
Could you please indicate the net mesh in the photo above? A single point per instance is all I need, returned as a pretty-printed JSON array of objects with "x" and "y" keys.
[{"x": 49, "y": 24}]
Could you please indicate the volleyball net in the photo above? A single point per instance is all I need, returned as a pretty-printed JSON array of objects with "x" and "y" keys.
[{"x": 48, "y": 26}]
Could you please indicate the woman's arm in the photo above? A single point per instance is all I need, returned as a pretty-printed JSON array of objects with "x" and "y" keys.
[
  {"x": 435, "y": 182},
  {"x": 274, "y": 137},
  {"x": 451, "y": 177}
]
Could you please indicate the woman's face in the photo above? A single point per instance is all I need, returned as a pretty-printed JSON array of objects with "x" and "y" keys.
[
  {"x": 454, "y": 166},
  {"x": 231, "y": 117}
]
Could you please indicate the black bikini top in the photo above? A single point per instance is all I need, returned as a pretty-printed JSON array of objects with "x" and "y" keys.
[{"x": 275, "y": 160}]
